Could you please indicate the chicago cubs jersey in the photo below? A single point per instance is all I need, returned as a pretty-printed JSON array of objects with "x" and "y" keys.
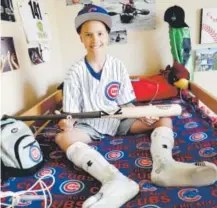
[{"x": 85, "y": 90}]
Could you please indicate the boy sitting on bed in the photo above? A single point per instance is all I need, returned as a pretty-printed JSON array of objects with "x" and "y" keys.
[{"x": 100, "y": 82}]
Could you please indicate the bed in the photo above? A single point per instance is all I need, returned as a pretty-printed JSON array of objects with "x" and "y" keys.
[{"x": 195, "y": 135}]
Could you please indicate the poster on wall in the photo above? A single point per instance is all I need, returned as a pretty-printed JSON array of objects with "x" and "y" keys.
[
  {"x": 38, "y": 54},
  {"x": 131, "y": 14},
  {"x": 208, "y": 31},
  {"x": 73, "y": 2},
  {"x": 9, "y": 60},
  {"x": 206, "y": 59},
  {"x": 7, "y": 10},
  {"x": 34, "y": 21},
  {"x": 118, "y": 37}
]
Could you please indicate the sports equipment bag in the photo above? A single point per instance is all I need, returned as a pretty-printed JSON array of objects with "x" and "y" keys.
[{"x": 20, "y": 152}]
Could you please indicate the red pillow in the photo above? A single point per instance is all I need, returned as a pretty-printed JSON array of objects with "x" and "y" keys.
[{"x": 154, "y": 87}]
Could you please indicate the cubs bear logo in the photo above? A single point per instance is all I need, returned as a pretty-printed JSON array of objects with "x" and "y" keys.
[
  {"x": 143, "y": 145},
  {"x": 35, "y": 153},
  {"x": 146, "y": 186},
  {"x": 45, "y": 171},
  {"x": 191, "y": 125},
  {"x": 207, "y": 152},
  {"x": 71, "y": 187},
  {"x": 197, "y": 137},
  {"x": 143, "y": 162},
  {"x": 112, "y": 90},
  {"x": 189, "y": 195},
  {"x": 114, "y": 155}
]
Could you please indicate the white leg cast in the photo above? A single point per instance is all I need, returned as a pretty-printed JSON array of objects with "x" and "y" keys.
[
  {"x": 168, "y": 172},
  {"x": 116, "y": 188}
]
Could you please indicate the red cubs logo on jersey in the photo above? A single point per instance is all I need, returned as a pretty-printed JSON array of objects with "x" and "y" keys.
[{"x": 112, "y": 90}]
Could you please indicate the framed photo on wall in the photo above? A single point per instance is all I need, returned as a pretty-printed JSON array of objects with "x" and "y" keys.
[
  {"x": 118, "y": 37},
  {"x": 208, "y": 29},
  {"x": 8, "y": 54},
  {"x": 131, "y": 14},
  {"x": 7, "y": 10},
  {"x": 206, "y": 59}
]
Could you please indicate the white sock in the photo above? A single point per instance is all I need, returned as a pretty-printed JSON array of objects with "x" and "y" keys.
[
  {"x": 83, "y": 156},
  {"x": 168, "y": 172},
  {"x": 116, "y": 187}
]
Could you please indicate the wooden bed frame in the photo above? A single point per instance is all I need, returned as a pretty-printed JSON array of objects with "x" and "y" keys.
[
  {"x": 204, "y": 96},
  {"x": 46, "y": 106},
  {"x": 54, "y": 101},
  {"x": 49, "y": 104}
]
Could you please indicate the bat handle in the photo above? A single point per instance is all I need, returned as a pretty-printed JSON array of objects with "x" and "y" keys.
[
  {"x": 36, "y": 118},
  {"x": 64, "y": 115}
]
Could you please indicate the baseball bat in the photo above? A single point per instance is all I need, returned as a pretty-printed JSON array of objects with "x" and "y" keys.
[{"x": 164, "y": 110}]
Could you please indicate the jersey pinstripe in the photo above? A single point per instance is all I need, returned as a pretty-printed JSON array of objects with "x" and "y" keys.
[{"x": 85, "y": 90}]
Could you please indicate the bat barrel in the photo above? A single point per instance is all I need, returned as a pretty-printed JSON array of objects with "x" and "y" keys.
[{"x": 150, "y": 110}]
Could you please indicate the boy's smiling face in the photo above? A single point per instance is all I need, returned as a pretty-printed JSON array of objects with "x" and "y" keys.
[{"x": 94, "y": 36}]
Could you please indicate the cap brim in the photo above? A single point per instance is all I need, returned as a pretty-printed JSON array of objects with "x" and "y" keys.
[
  {"x": 185, "y": 25},
  {"x": 179, "y": 25},
  {"x": 79, "y": 20}
]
